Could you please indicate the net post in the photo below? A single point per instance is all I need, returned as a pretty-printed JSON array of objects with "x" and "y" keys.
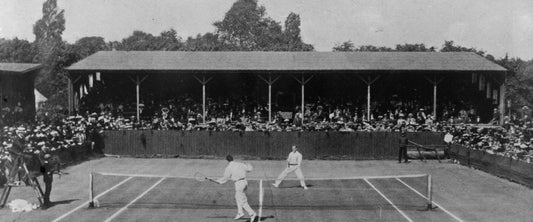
[
  {"x": 91, "y": 195},
  {"x": 430, "y": 193},
  {"x": 260, "y": 199}
]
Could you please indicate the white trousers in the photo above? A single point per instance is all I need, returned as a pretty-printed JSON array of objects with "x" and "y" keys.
[
  {"x": 240, "y": 197},
  {"x": 296, "y": 170}
]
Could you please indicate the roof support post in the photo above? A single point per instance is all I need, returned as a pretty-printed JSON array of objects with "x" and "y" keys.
[
  {"x": 435, "y": 102},
  {"x": 138, "y": 82},
  {"x": 303, "y": 102},
  {"x": 302, "y": 82},
  {"x": 269, "y": 102},
  {"x": 204, "y": 82},
  {"x": 501, "y": 96},
  {"x": 502, "y": 103},
  {"x": 70, "y": 96},
  {"x": 70, "y": 88},
  {"x": 435, "y": 82},
  {"x": 270, "y": 82},
  {"x": 368, "y": 102},
  {"x": 2, "y": 97},
  {"x": 137, "y": 93},
  {"x": 369, "y": 80}
]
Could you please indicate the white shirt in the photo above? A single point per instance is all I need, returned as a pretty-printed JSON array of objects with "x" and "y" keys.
[
  {"x": 448, "y": 138},
  {"x": 295, "y": 158},
  {"x": 235, "y": 171}
]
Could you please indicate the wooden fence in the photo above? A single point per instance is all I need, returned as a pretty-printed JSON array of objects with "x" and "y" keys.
[
  {"x": 264, "y": 145},
  {"x": 313, "y": 145},
  {"x": 514, "y": 170}
]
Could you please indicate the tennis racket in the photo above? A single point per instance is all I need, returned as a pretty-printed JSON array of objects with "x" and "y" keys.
[{"x": 201, "y": 177}]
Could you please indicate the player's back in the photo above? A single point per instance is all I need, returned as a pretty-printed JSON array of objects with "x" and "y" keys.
[{"x": 238, "y": 170}]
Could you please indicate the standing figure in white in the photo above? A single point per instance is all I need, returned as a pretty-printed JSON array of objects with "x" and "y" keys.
[
  {"x": 236, "y": 172},
  {"x": 293, "y": 165}
]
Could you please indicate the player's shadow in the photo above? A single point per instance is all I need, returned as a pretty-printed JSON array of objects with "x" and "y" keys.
[
  {"x": 294, "y": 186},
  {"x": 263, "y": 218},
  {"x": 245, "y": 219},
  {"x": 54, "y": 203}
]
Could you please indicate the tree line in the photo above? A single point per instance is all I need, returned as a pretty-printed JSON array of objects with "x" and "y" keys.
[{"x": 245, "y": 27}]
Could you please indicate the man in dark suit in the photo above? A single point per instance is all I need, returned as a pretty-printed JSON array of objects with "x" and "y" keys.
[
  {"x": 16, "y": 151},
  {"x": 49, "y": 165},
  {"x": 403, "y": 148}
]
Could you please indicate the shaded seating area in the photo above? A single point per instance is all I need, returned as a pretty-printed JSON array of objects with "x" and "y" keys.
[
  {"x": 211, "y": 85},
  {"x": 17, "y": 99}
]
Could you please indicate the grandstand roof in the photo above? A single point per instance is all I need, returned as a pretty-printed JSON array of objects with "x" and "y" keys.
[
  {"x": 284, "y": 61},
  {"x": 18, "y": 67}
]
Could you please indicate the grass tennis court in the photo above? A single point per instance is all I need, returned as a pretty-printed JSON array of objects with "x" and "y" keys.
[{"x": 461, "y": 194}]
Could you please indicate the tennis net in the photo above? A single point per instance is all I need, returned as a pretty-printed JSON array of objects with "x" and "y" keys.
[{"x": 360, "y": 193}]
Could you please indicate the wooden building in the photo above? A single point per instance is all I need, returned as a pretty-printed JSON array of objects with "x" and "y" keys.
[
  {"x": 17, "y": 90},
  {"x": 436, "y": 74}
]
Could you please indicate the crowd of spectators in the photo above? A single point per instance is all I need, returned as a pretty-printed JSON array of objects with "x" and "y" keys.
[
  {"x": 71, "y": 134},
  {"x": 11, "y": 115},
  {"x": 243, "y": 114},
  {"x": 514, "y": 139}
]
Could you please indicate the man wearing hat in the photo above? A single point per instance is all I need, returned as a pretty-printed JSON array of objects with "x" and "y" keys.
[
  {"x": 421, "y": 116},
  {"x": 403, "y": 148},
  {"x": 49, "y": 164},
  {"x": 16, "y": 151}
]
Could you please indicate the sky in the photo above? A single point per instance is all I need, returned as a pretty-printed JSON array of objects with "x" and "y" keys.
[{"x": 495, "y": 26}]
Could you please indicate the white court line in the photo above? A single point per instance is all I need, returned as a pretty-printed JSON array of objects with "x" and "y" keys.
[
  {"x": 390, "y": 202},
  {"x": 142, "y": 175},
  {"x": 359, "y": 177},
  {"x": 86, "y": 203},
  {"x": 436, "y": 204},
  {"x": 133, "y": 201}
]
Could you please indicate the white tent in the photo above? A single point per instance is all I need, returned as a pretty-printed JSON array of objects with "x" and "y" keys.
[{"x": 39, "y": 98}]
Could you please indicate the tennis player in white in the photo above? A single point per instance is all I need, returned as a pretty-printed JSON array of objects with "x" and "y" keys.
[
  {"x": 293, "y": 165},
  {"x": 237, "y": 172}
]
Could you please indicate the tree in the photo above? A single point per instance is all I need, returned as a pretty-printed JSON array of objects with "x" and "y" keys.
[
  {"x": 347, "y": 46},
  {"x": 519, "y": 80},
  {"x": 371, "y": 48},
  {"x": 17, "y": 50},
  {"x": 138, "y": 41},
  {"x": 291, "y": 35},
  {"x": 142, "y": 41},
  {"x": 240, "y": 25},
  {"x": 51, "y": 81},
  {"x": 246, "y": 27},
  {"x": 414, "y": 48},
  {"x": 169, "y": 41},
  {"x": 450, "y": 47},
  {"x": 206, "y": 42},
  {"x": 87, "y": 46},
  {"x": 269, "y": 36},
  {"x": 48, "y": 31}
]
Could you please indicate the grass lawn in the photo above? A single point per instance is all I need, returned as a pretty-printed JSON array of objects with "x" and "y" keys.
[{"x": 462, "y": 194}]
